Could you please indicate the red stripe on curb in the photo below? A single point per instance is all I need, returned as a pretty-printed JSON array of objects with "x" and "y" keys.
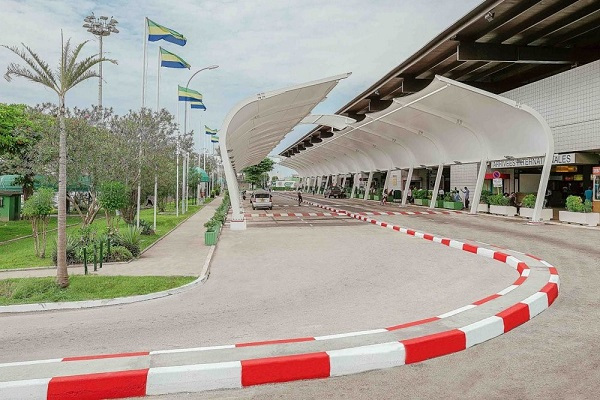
[
  {"x": 384, "y": 224},
  {"x": 430, "y": 346},
  {"x": 520, "y": 280},
  {"x": 500, "y": 256},
  {"x": 551, "y": 290},
  {"x": 486, "y": 299},
  {"x": 285, "y": 368},
  {"x": 414, "y": 323},
  {"x": 446, "y": 242},
  {"x": 396, "y": 228},
  {"x": 410, "y": 232},
  {"x": 514, "y": 316},
  {"x": 320, "y": 215},
  {"x": 470, "y": 248},
  {"x": 109, "y": 385},
  {"x": 521, "y": 267},
  {"x": 294, "y": 340},
  {"x": 373, "y": 221},
  {"x": 552, "y": 271},
  {"x": 101, "y": 356},
  {"x": 427, "y": 236}
]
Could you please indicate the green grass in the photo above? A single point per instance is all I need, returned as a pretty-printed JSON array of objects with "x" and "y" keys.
[
  {"x": 81, "y": 287},
  {"x": 21, "y": 253},
  {"x": 14, "y": 229}
]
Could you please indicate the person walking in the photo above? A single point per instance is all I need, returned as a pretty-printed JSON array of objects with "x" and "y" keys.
[
  {"x": 299, "y": 198},
  {"x": 383, "y": 197},
  {"x": 409, "y": 195},
  {"x": 466, "y": 192}
]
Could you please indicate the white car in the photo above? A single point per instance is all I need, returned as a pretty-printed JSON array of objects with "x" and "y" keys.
[{"x": 261, "y": 199}]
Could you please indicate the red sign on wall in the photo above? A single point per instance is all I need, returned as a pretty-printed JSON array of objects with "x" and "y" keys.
[{"x": 596, "y": 170}]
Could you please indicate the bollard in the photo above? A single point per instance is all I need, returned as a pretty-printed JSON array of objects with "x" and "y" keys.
[
  {"x": 101, "y": 243},
  {"x": 108, "y": 246},
  {"x": 95, "y": 259},
  {"x": 85, "y": 269}
]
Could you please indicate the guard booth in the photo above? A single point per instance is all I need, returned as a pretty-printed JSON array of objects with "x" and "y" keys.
[
  {"x": 10, "y": 198},
  {"x": 202, "y": 189}
]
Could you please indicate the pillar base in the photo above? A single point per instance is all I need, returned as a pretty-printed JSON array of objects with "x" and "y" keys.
[{"x": 238, "y": 225}]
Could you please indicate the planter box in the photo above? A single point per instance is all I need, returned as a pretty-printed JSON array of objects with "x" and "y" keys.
[
  {"x": 483, "y": 207},
  {"x": 528, "y": 213},
  {"x": 453, "y": 205},
  {"x": 503, "y": 210},
  {"x": 371, "y": 197},
  {"x": 419, "y": 202},
  {"x": 210, "y": 237},
  {"x": 590, "y": 219},
  {"x": 376, "y": 198}
]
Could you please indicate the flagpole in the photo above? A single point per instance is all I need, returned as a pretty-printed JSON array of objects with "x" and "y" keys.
[
  {"x": 158, "y": 83},
  {"x": 177, "y": 185},
  {"x": 145, "y": 42},
  {"x": 155, "y": 168}
]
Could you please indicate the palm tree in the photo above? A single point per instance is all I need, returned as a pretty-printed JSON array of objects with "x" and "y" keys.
[{"x": 70, "y": 72}]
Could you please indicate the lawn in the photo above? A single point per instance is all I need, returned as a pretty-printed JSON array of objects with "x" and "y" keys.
[
  {"x": 21, "y": 253},
  {"x": 15, "y": 229},
  {"x": 84, "y": 287}
]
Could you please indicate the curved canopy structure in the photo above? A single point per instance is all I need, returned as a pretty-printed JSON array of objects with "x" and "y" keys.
[
  {"x": 256, "y": 126},
  {"x": 446, "y": 123},
  {"x": 203, "y": 175}
]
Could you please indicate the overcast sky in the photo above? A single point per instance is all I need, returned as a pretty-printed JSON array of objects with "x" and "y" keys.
[{"x": 260, "y": 45}]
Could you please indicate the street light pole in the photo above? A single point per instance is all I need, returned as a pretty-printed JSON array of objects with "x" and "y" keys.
[
  {"x": 100, "y": 27},
  {"x": 185, "y": 102}
]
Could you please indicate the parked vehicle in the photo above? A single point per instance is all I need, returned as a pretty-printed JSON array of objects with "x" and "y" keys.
[
  {"x": 334, "y": 191},
  {"x": 261, "y": 199}
]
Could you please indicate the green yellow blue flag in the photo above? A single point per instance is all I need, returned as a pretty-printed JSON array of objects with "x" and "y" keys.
[
  {"x": 158, "y": 32},
  {"x": 198, "y": 105},
  {"x": 186, "y": 94},
  {"x": 214, "y": 139},
  {"x": 209, "y": 131},
  {"x": 170, "y": 60}
]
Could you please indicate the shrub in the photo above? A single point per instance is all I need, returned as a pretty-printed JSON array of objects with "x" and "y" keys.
[
  {"x": 129, "y": 239},
  {"x": 485, "y": 197},
  {"x": 420, "y": 194},
  {"x": 119, "y": 253},
  {"x": 498, "y": 200},
  {"x": 448, "y": 197},
  {"x": 146, "y": 228},
  {"x": 529, "y": 201},
  {"x": 574, "y": 204},
  {"x": 587, "y": 206},
  {"x": 72, "y": 244}
]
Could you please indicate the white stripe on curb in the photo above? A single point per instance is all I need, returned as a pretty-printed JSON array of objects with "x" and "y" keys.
[
  {"x": 194, "y": 378},
  {"x": 366, "y": 358},
  {"x": 483, "y": 330},
  {"x": 350, "y": 334},
  {"x": 22, "y": 390}
]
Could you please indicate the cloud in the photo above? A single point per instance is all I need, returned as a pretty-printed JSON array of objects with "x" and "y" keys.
[{"x": 259, "y": 45}]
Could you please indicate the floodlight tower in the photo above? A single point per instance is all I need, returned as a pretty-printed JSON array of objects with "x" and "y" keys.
[{"x": 100, "y": 27}]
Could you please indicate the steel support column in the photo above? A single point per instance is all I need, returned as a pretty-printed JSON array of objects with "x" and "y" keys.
[
  {"x": 436, "y": 187},
  {"x": 368, "y": 188},
  {"x": 478, "y": 187},
  {"x": 407, "y": 186}
]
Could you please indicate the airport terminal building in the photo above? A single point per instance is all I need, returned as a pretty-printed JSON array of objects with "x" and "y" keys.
[{"x": 540, "y": 54}]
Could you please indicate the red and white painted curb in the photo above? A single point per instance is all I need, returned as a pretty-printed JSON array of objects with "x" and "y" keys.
[
  {"x": 137, "y": 378},
  {"x": 335, "y": 214}
]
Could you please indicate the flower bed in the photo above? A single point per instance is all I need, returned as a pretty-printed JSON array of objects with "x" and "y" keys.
[{"x": 213, "y": 226}]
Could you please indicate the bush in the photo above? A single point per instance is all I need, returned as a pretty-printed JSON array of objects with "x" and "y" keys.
[
  {"x": 449, "y": 197},
  {"x": 72, "y": 245},
  {"x": 485, "y": 197},
  {"x": 220, "y": 215},
  {"x": 420, "y": 194},
  {"x": 119, "y": 253},
  {"x": 498, "y": 200},
  {"x": 576, "y": 204},
  {"x": 129, "y": 239},
  {"x": 529, "y": 201},
  {"x": 146, "y": 228}
]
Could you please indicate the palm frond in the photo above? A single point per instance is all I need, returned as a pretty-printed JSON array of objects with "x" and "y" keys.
[
  {"x": 43, "y": 64},
  {"x": 82, "y": 77},
  {"x": 72, "y": 57},
  {"x": 36, "y": 73},
  {"x": 84, "y": 66}
]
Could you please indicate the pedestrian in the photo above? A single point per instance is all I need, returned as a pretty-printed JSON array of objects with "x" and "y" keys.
[
  {"x": 299, "y": 198},
  {"x": 383, "y": 197},
  {"x": 409, "y": 194},
  {"x": 512, "y": 201},
  {"x": 547, "y": 197},
  {"x": 588, "y": 194},
  {"x": 466, "y": 192}
]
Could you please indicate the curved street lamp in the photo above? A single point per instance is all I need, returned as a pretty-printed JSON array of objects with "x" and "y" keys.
[{"x": 185, "y": 166}]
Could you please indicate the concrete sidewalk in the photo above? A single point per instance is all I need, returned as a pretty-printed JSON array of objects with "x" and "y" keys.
[{"x": 181, "y": 252}]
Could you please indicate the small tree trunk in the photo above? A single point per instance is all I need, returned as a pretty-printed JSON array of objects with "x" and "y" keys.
[
  {"x": 44, "y": 231},
  {"x": 34, "y": 233},
  {"x": 62, "y": 275}
]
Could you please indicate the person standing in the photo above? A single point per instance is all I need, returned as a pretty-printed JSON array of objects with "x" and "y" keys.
[
  {"x": 588, "y": 194},
  {"x": 466, "y": 192},
  {"x": 299, "y": 198}
]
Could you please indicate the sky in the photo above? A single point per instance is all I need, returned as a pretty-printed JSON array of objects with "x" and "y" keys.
[{"x": 259, "y": 45}]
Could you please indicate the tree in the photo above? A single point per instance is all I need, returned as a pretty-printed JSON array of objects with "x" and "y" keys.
[
  {"x": 69, "y": 74},
  {"x": 113, "y": 196},
  {"x": 37, "y": 208},
  {"x": 255, "y": 173},
  {"x": 15, "y": 128},
  {"x": 274, "y": 178}
]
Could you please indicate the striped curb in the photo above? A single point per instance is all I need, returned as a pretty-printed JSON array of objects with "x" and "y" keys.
[
  {"x": 254, "y": 363},
  {"x": 334, "y": 214}
]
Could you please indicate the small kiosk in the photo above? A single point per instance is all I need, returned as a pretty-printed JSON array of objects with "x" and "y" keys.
[{"x": 10, "y": 198}]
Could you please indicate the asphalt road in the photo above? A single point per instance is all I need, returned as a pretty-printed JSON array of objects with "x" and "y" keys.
[{"x": 553, "y": 356}]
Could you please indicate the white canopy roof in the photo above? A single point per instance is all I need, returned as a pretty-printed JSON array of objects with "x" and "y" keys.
[
  {"x": 255, "y": 126},
  {"x": 448, "y": 122}
]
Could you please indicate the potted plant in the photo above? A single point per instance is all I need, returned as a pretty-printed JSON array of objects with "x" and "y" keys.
[
  {"x": 527, "y": 206},
  {"x": 378, "y": 194},
  {"x": 449, "y": 202},
  {"x": 212, "y": 232},
  {"x": 420, "y": 196},
  {"x": 500, "y": 205},
  {"x": 579, "y": 212},
  {"x": 484, "y": 201}
]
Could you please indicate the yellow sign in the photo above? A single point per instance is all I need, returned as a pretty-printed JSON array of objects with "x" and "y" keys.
[
  {"x": 565, "y": 168},
  {"x": 394, "y": 180}
]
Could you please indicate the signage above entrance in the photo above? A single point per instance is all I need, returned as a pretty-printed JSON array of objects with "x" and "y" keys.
[{"x": 557, "y": 159}]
